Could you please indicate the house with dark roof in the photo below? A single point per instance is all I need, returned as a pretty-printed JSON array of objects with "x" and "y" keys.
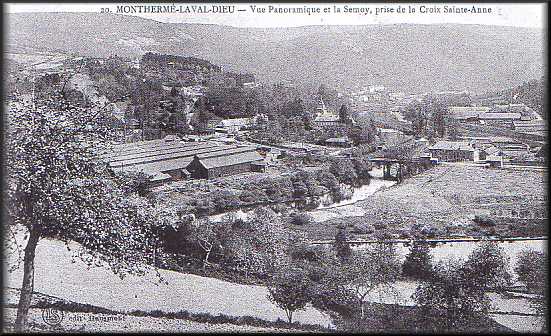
[
  {"x": 169, "y": 159},
  {"x": 232, "y": 126},
  {"x": 454, "y": 151},
  {"x": 213, "y": 165}
]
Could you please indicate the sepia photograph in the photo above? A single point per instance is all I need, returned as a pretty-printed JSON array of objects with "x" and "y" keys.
[{"x": 275, "y": 167}]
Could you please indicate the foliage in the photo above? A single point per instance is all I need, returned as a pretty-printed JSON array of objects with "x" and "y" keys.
[
  {"x": 417, "y": 264},
  {"x": 183, "y": 315},
  {"x": 328, "y": 293},
  {"x": 531, "y": 93},
  {"x": 427, "y": 117},
  {"x": 341, "y": 245},
  {"x": 376, "y": 267},
  {"x": 488, "y": 266},
  {"x": 452, "y": 293},
  {"x": 208, "y": 235},
  {"x": 289, "y": 289},
  {"x": 258, "y": 245},
  {"x": 483, "y": 220},
  {"x": 532, "y": 270},
  {"x": 300, "y": 218},
  {"x": 57, "y": 187},
  {"x": 344, "y": 171},
  {"x": 225, "y": 319},
  {"x": 150, "y": 59},
  {"x": 344, "y": 114},
  {"x": 329, "y": 95}
]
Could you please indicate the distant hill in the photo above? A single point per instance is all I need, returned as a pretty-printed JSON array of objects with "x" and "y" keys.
[
  {"x": 414, "y": 58},
  {"x": 531, "y": 93}
]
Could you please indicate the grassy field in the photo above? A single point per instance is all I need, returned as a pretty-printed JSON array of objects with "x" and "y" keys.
[
  {"x": 56, "y": 275},
  {"x": 446, "y": 198}
]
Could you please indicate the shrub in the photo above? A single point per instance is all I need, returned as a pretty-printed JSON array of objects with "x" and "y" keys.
[
  {"x": 418, "y": 262},
  {"x": 379, "y": 226},
  {"x": 484, "y": 220},
  {"x": 358, "y": 230},
  {"x": 73, "y": 307},
  {"x": 300, "y": 218}
]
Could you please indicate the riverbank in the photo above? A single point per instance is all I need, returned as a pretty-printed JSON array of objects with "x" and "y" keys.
[
  {"x": 448, "y": 201},
  {"x": 301, "y": 189}
]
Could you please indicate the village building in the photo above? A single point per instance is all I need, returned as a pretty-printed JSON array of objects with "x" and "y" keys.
[
  {"x": 532, "y": 126},
  {"x": 467, "y": 113},
  {"x": 271, "y": 154},
  {"x": 509, "y": 108},
  {"x": 224, "y": 163},
  {"x": 233, "y": 126},
  {"x": 328, "y": 121},
  {"x": 499, "y": 119},
  {"x": 486, "y": 151},
  {"x": 510, "y": 146},
  {"x": 495, "y": 161},
  {"x": 505, "y": 145},
  {"x": 454, "y": 151},
  {"x": 339, "y": 142},
  {"x": 390, "y": 136},
  {"x": 171, "y": 156}
]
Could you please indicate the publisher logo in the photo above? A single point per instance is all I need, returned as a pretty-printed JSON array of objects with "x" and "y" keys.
[{"x": 52, "y": 316}]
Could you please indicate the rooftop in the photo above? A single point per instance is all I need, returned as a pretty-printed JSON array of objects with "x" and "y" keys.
[
  {"x": 468, "y": 110},
  {"x": 498, "y": 116},
  {"x": 230, "y": 160},
  {"x": 235, "y": 122},
  {"x": 327, "y": 118},
  {"x": 189, "y": 151},
  {"x": 339, "y": 140},
  {"x": 536, "y": 122},
  {"x": 452, "y": 145}
]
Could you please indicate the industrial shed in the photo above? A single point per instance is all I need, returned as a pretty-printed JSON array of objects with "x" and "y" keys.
[
  {"x": 230, "y": 162},
  {"x": 168, "y": 159}
]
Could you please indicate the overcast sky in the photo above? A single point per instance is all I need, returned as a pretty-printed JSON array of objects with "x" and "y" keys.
[{"x": 519, "y": 15}]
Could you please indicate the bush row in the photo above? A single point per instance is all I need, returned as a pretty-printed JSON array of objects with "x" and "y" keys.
[
  {"x": 182, "y": 314},
  {"x": 226, "y": 319}
]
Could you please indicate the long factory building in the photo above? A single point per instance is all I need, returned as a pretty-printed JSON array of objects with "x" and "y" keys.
[{"x": 173, "y": 159}]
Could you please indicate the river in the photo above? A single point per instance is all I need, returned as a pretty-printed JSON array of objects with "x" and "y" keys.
[
  {"x": 328, "y": 208},
  {"x": 348, "y": 206},
  {"x": 403, "y": 290}
]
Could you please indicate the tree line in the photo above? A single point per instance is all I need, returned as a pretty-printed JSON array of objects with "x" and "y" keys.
[{"x": 451, "y": 295}]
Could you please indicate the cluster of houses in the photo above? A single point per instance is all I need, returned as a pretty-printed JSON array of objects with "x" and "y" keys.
[
  {"x": 518, "y": 117},
  {"x": 171, "y": 159},
  {"x": 492, "y": 150}
]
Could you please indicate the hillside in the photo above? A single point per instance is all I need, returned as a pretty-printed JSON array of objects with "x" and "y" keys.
[
  {"x": 409, "y": 57},
  {"x": 531, "y": 93}
]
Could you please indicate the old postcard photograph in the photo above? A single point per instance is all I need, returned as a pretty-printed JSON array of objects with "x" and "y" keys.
[{"x": 275, "y": 167}]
